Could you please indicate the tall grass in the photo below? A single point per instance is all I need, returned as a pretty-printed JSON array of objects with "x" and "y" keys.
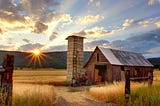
[
  {"x": 112, "y": 92},
  {"x": 145, "y": 96},
  {"x": 33, "y": 95},
  {"x": 141, "y": 94}
]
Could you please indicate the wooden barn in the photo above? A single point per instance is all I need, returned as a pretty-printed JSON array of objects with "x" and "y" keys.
[{"x": 108, "y": 65}]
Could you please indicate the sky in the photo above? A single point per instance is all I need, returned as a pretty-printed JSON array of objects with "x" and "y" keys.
[{"x": 130, "y": 25}]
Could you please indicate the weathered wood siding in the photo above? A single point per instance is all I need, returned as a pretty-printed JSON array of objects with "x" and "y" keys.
[
  {"x": 102, "y": 61},
  {"x": 114, "y": 72}
]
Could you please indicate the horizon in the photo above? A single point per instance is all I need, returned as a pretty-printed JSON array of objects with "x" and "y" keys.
[
  {"x": 126, "y": 25},
  {"x": 30, "y": 52}
]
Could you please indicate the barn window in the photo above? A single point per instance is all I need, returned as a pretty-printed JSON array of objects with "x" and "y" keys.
[
  {"x": 137, "y": 72},
  {"x": 97, "y": 57}
]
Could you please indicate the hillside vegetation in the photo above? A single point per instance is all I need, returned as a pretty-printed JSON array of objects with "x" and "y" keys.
[
  {"x": 51, "y": 59},
  {"x": 47, "y": 60},
  {"x": 155, "y": 62}
]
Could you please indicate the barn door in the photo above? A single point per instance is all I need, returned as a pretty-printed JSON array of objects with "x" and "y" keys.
[{"x": 100, "y": 73}]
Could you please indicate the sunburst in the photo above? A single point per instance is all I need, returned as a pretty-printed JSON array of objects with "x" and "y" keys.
[
  {"x": 36, "y": 52},
  {"x": 36, "y": 57}
]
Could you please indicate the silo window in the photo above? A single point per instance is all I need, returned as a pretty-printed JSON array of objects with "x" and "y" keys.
[{"x": 97, "y": 57}]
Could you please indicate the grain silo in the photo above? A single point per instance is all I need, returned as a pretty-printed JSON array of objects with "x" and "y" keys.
[{"x": 74, "y": 56}]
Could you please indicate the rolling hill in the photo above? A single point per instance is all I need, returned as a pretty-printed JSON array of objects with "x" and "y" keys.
[
  {"x": 47, "y": 60},
  {"x": 51, "y": 59}
]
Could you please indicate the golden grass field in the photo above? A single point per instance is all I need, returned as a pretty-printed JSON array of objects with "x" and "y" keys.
[
  {"x": 35, "y": 87},
  {"x": 40, "y": 76},
  {"x": 33, "y": 95},
  {"x": 26, "y": 89},
  {"x": 141, "y": 94}
]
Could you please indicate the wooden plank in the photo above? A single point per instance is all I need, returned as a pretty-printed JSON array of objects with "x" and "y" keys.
[
  {"x": 6, "y": 79},
  {"x": 139, "y": 78}
]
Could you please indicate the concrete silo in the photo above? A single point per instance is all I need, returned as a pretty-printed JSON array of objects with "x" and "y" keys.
[{"x": 74, "y": 56}]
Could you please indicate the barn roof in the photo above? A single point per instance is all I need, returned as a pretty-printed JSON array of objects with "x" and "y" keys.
[{"x": 118, "y": 57}]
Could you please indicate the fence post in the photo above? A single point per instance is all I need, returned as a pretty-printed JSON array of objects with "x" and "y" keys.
[
  {"x": 6, "y": 79},
  {"x": 127, "y": 86},
  {"x": 150, "y": 79}
]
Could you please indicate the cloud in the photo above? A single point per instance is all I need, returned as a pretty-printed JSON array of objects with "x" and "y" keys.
[
  {"x": 91, "y": 1},
  {"x": 1, "y": 32},
  {"x": 10, "y": 17},
  {"x": 39, "y": 9},
  {"x": 65, "y": 18},
  {"x": 140, "y": 43},
  {"x": 155, "y": 50},
  {"x": 56, "y": 48},
  {"x": 94, "y": 32},
  {"x": 26, "y": 40},
  {"x": 147, "y": 44},
  {"x": 97, "y": 32},
  {"x": 149, "y": 21},
  {"x": 128, "y": 22},
  {"x": 98, "y": 4},
  {"x": 30, "y": 46},
  {"x": 27, "y": 14},
  {"x": 150, "y": 36},
  {"x": 157, "y": 24},
  {"x": 152, "y": 2},
  {"x": 40, "y": 27},
  {"x": 53, "y": 36},
  {"x": 8, "y": 47},
  {"x": 88, "y": 19},
  {"x": 143, "y": 23},
  {"x": 91, "y": 45}
]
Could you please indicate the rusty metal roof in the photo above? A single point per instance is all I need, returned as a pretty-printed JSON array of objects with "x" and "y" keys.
[{"x": 118, "y": 57}]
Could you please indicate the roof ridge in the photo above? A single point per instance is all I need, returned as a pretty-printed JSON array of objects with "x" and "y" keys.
[{"x": 119, "y": 50}]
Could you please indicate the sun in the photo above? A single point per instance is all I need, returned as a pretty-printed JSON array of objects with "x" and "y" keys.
[
  {"x": 36, "y": 58},
  {"x": 36, "y": 52}
]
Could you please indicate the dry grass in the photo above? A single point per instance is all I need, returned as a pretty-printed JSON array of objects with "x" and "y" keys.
[
  {"x": 40, "y": 76},
  {"x": 33, "y": 95},
  {"x": 111, "y": 92},
  {"x": 27, "y": 92},
  {"x": 115, "y": 92},
  {"x": 156, "y": 75}
]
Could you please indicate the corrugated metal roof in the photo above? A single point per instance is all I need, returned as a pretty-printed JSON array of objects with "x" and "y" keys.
[
  {"x": 110, "y": 56},
  {"x": 118, "y": 57}
]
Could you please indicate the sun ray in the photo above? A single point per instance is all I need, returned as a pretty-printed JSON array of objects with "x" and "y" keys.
[{"x": 36, "y": 58}]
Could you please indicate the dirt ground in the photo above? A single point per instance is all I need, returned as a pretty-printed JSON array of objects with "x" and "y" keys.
[{"x": 76, "y": 96}]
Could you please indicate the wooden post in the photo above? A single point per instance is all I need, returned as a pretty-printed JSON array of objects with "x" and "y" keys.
[
  {"x": 150, "y": 79},
  {"x": 6, "y": 79},
  {"x": 127, "y": 85}
]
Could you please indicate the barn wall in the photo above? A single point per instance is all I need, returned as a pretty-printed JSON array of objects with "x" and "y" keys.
[
  {"x": 93, "y": 61},
  {"x": 114, "y": 72},
  {"x": 139, "y": 71},
  {"x": 118, "y": 74}
]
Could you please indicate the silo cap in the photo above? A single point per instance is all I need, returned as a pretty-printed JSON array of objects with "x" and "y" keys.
[{"x": 74, "y": 36}]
